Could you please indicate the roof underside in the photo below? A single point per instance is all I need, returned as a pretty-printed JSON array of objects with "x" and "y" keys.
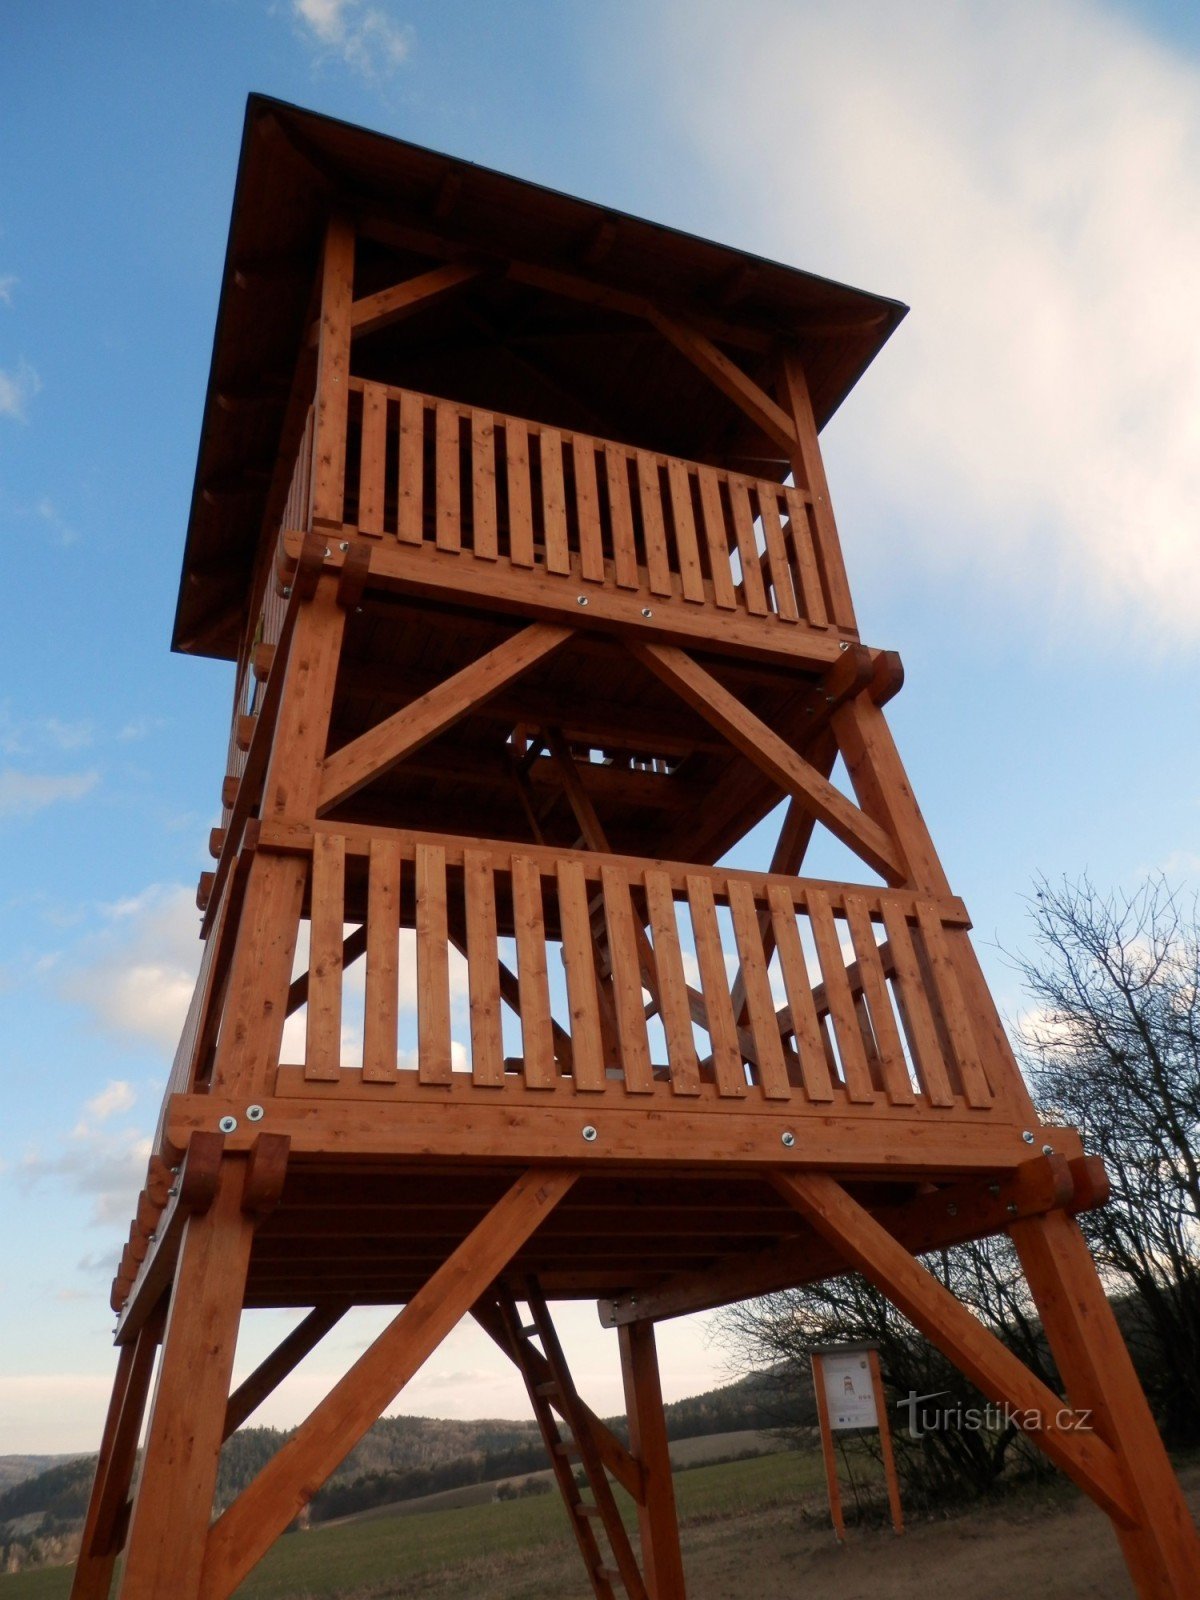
[{"x": 588, "y": 363}]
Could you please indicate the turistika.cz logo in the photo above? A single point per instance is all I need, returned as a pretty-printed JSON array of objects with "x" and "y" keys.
[{"x": 925, "y": 1418}]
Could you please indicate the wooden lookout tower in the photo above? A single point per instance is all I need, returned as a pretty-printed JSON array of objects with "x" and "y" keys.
[{"x": 511, "y": 514}]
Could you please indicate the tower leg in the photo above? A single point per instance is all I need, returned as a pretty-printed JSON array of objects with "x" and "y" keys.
[
  {"x": 103, "y": 1530},
  {"x": 658, "y": 1522},
  {"x": 1161, "y": 1549},
  {"x": 173, "y": 1505}
]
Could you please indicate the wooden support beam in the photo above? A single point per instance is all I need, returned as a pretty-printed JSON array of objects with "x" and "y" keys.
[
  {"x": 401, "y": 300},
  {"x": 869, "y": 1248},
  {"x": 242, "y": 1535},
  {"x": 763, "y": 746},
  {"x": 284, "y": 1359},
  {"x": 382, "y": 747},
  {"x": 732, "y": 380},
  {"x": 658, "y": 1521},
  {"x": 333, "y": 372}
]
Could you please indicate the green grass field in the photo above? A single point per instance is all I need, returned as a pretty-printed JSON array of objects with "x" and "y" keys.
[{"x": 479, "y": 1550}]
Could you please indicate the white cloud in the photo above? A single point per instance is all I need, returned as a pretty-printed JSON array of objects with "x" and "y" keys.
[
  {"x": 116, "y": 1096},
  {"x": 108, "y": 1168},
  {"x": 7, "y": 284},
  {"x": 136, "y": 977},
  {"x": 1029, "y": 178},
  {"x": 23, "y": 793},
  {"x": 18, "y": 385},
  {"x": 365, "y": 36}
]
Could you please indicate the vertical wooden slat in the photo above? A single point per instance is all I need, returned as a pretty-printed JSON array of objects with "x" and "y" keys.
[
  {"x": 626, "y": 983},
  {"x": 323, "y": 1047},
  {"x": 691, "y": 576},
  {"x": 530, "y": 928},
  {"x": 887, "y": 1036},
  {"x": 625, "y": 561},
  {"x": 587, "y": 506},
  {"x": 333, "y": 373},
  {"x": 809, "y": 470},
  {"x": 483, "y": 969},
  {"x": 812, "y": 599},
  {"x": 841, "y": 1002},
  {"x": 954, "y": 1013},
  {"x": 806, "y": 1030},
  {"x": 372, "y": 459},
  {"x": 914, "y": 1009},
  {"x": 777, "y": 558},
  {"x": 728, "y": 1067},
  {"x": 760, "y": 1005},
  {"x": 447, "y": 491},
  {"x": 743, "y": 531},
  {"x": 483, "y": 484},
  {"x": 587, "y": 1047},
  {"x": 520, "y": 504},
  {"x": 554, "y": 502},
  {"x": 673, "y": 1005},
  {"x": 658, "y": 563},
  {"x": 716, "y": 538},
  {"x": 410, "y": 526},
  {"x": 381, "y": 1006},
  {"x": 433, "y": 967}
]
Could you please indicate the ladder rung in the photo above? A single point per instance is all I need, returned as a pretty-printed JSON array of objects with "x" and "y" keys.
[
  {"x": 568, "y": 1451},
  {"x": 529, "y": 1331},
  {"x": 584, "y": 1510},
  {"x": 547, "y": 1388},
  {"x": 609, "y": 1574}
]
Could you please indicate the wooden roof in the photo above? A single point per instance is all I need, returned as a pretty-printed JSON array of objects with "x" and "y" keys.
[{"x": 553, "y": 332}]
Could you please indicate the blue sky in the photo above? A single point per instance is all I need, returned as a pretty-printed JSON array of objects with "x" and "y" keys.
[{"x": 1017, "y": 483}]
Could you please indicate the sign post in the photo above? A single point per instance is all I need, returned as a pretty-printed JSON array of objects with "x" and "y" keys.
[{"x": 849, "y": 1388}]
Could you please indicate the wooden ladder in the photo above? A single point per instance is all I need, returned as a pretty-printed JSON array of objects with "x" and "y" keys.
[{"x": 555, "y": 1401}]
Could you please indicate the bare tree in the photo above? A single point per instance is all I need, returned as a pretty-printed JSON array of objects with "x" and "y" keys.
[{"x": 1113, "y": 1047}]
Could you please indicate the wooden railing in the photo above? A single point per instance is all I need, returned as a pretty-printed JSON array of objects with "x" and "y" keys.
[
  {"x": 602, "y": 975},
  {"x": 494, "y": 489}
]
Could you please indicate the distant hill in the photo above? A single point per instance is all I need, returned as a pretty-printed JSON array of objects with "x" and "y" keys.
[{"x": 15, "y": 1469}]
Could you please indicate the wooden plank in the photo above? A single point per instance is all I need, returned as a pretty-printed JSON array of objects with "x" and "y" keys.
[
  {"x": 946, "y": 1323},
  {"x": 893, "y": 1066},
  {"x": 955, "y": 1016},
  {"x": 690, "y": 575},
  {"x": 809, "y": 471},
  {"x": 242, "y": 1534},
  {"x": 806, "y": 1030},
  {"x": 433, "y": 968},
  {"x": 520, "y": 500},
  {"x": 323, "y": 1044},
  {"x": 747, "y": 546},
  {"x": 374, "y": 311},
  {"x": 671, "y": 992},
  {"x": 855, "y": 1071},
  {"x": 913, "y": 1004},
  {"x": 777, "y": 557},
  {"x": 578, "y": 954},
  {"x": 716, "y": 539},
  {"x": 625, "y": 561},
  {"x": 587, "y": 507},
  {"x": 764, "y": 1023},
  {"x": 483, "y": 485},
  {"x": 626, "y": 983},
  {"x": 728, "y": 1067},
  {"x": 333, "y": 372},
  {"x": 554, "y": 501},
  {"x": 372, "y": 458},
  {"x": 381, "y": 1008},
  {"x": 447, "y": 491},
  {"x": 483, "y": 970},
  {"x": 399, "y": 735},
  {"x": 812, "y": 599},
  {"x": 735, "y": 383},
  {"x": 658, "y": 1522},
  {"x": 767, "y": 750},
  {"x": 658, "y": 561},
  {"x": 410, "y": 524},
  {"x": 530, "y": 928}
]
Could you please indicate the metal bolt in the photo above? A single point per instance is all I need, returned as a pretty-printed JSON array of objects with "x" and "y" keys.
[
  {"x": 581, "y": 599},
  {"x": 1047, "y": 1149},
  {"x": 287, "y": 593},
  {"x": 328, "y": 552},
  {"x": 1027, "y": 1136},
  {"x": 952, "y": 1211},
  {"x": 589, "y": 1133},
  {"x": 150, "y": 1238},
  {"x": 844, "y": 645},
  {"x": 787, "y": 1139},
  {"x": 344, "y": 546},
  {"x": 994, "y": 1190},
  {"x": 228, "y": 1124},
  {"x": 254, "y": 1113},
  {"x": 647, "y": 613},
  {"x": 1011, "y": 1208},
  {"x": 172, "y": 1192}
]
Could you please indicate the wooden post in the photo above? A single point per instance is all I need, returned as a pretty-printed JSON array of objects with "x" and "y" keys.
[
  {"x": 885, "y": 1444},
  {"x": 827, "y": 1452},
  {"x": 173, "y": 1504},
  {"x": 658, "y": 1522}
]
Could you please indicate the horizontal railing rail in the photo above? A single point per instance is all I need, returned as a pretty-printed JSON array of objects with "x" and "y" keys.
[
  {"x": 576, "y": 973},
  {"x": 491, "y": 488}
]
